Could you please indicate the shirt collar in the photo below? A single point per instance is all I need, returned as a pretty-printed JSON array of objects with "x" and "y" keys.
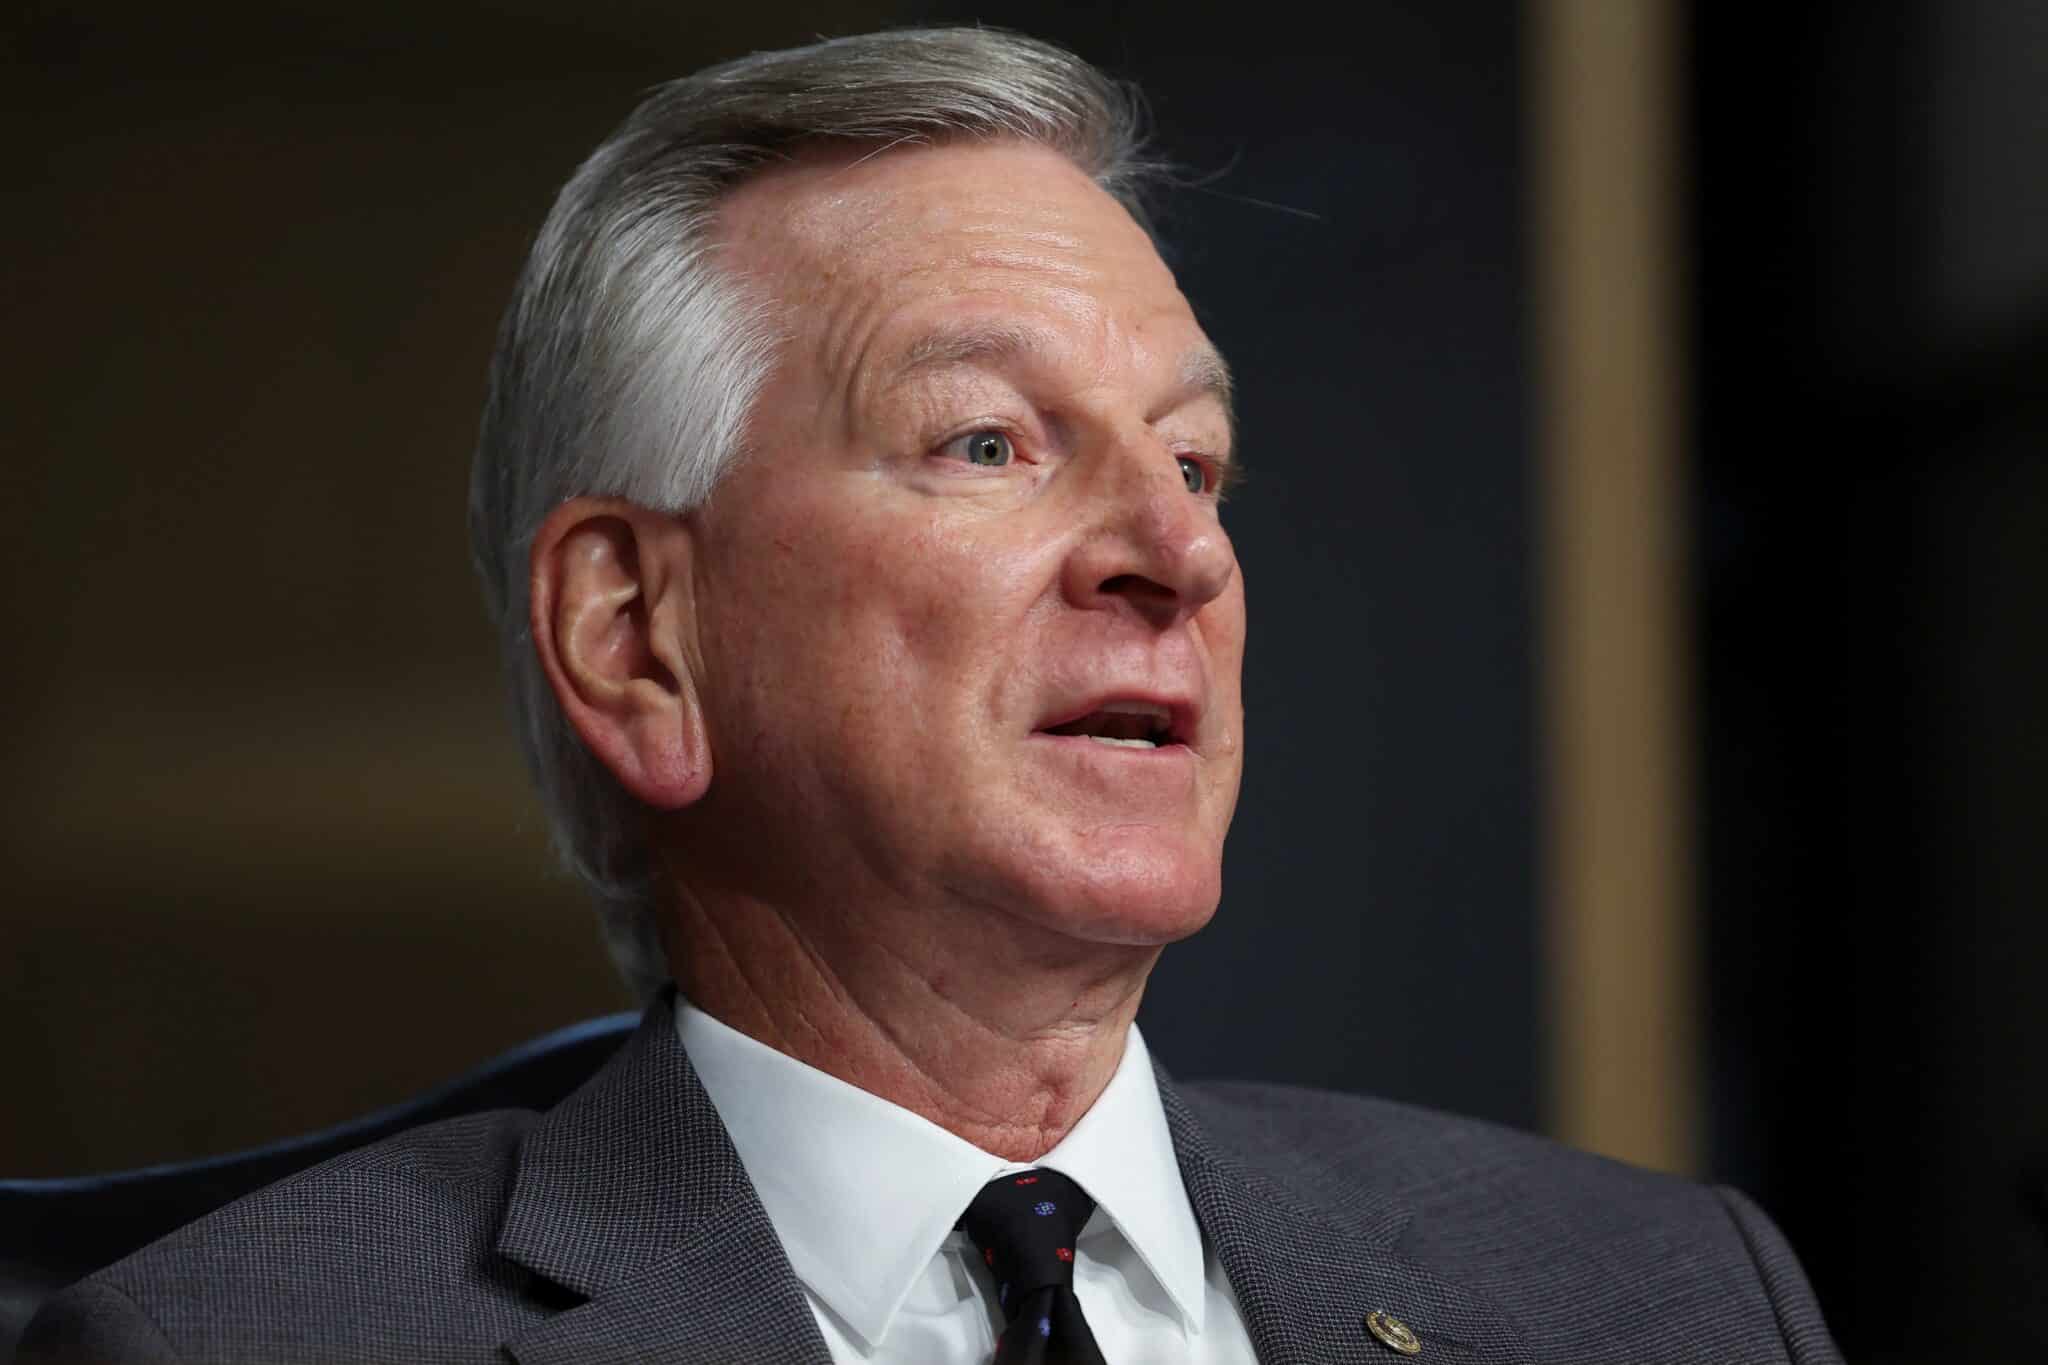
[
  {"x": 1122, "y": 1154},
  {"x": 863, "y": 1193}
]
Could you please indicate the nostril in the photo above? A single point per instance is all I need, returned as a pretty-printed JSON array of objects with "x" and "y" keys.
[
  {"x": 1136, "y": 586},
  {"x": 1154, "y": 601}
]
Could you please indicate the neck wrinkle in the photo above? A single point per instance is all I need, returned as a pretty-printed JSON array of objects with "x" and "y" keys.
[{"x": 1013, "y": 1081}]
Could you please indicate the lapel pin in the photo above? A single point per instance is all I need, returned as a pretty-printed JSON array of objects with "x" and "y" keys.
[{"x": 1392, "y": 1333}]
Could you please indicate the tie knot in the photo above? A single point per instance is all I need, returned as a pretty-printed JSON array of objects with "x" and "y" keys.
[{"x": 1024, "y": 1225}]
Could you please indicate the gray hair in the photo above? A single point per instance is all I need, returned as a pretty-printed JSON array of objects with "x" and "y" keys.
[{"x": 628, "y": 362}]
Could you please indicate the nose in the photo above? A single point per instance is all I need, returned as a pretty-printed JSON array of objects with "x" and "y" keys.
[{"x": 1153, "y": 547}]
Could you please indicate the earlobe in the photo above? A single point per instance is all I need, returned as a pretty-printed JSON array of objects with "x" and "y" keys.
[{"x": 610, "y": 603}]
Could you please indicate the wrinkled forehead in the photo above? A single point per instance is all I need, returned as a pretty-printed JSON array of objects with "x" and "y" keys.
[
  {"x": 856, "y": 251},
  {"x": 840, "y": 217}
]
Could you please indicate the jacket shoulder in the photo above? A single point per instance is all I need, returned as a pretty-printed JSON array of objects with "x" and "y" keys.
[
  {"x": 1565, "y": 1241},
  {"x": 371, "y": 1245},
  {"x": 1417, "y": 1154}
]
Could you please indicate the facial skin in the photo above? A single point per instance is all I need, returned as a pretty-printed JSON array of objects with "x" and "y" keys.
[{"x": 965, "y": 517}]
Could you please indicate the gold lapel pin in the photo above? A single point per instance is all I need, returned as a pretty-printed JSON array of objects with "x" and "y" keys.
[{"x": 1392, "y": 1333}]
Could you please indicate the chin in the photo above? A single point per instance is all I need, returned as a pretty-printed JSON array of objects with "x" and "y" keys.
[
  {"x": 1130, "y": 895},
  {"x": 1151, "y": 923},
  {"x": 1130, "y": 882}
]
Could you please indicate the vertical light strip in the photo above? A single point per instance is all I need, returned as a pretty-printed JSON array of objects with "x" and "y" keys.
[{"x": 1619, "y": 936}]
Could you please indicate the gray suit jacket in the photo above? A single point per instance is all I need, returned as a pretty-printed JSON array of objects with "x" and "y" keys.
[{"x": 620, "y": 1226}]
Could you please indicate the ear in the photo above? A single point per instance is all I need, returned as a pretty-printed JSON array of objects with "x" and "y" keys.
[{"x": 611, "y": 611}]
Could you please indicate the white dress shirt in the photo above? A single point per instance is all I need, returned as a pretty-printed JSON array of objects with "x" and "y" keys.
[{"x": 864, "y": 1195}]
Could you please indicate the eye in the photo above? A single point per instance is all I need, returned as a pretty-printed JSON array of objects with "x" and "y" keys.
[
  {"x": 988, "y": 448},
  {"x": 1194, "y": 475}
]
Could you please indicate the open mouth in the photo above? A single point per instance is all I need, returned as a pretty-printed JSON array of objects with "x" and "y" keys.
[{"x": 1127, "y": 725}]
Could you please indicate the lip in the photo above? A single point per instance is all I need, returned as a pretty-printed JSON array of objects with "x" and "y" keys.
[
  {"x": 1181, "y": 716},
  {"x": 1162, "y": 759}
]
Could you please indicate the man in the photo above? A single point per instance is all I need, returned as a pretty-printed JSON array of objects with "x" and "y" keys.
[{"x": 848, "y": 494}]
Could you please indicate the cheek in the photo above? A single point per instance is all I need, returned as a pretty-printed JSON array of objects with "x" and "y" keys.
[
  {"x": 890, "y": 623},
  {"x": 954, "y": 600},
  {"x": 1223, "y": 631},
  {"x": 941, "y": 599}
]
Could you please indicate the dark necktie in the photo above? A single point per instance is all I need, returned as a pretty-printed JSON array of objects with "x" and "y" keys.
[{"x": 1024, "y": 1225}]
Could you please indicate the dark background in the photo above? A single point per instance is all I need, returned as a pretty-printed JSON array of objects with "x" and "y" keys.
[
  {"x": 270, "y": 857},
  {"x": 1871, "y": 236}
]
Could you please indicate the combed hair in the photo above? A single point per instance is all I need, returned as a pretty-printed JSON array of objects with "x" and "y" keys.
[{"x": 628, "y": 361}]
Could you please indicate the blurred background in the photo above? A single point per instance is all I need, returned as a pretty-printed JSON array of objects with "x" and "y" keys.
[{"x": 1647, "y": 539}]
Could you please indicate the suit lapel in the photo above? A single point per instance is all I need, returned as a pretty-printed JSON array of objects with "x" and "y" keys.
[
  {"x": 629, "y": 1195},
  {"x": 1307, "y": 1275}
]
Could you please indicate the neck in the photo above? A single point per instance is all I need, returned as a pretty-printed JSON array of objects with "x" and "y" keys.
[{"x": 1005, "y": 1041}]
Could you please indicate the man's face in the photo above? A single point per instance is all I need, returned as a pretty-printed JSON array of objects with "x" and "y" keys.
[{"x": 963, "y": 539}]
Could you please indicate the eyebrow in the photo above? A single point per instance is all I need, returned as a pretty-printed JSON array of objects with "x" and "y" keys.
[{"x": 1202, "y": 369}]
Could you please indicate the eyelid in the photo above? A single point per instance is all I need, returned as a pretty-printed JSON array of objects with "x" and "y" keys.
[
  {"x": 1220, "y": 473},
  {"x": 1020, "y": 446}
]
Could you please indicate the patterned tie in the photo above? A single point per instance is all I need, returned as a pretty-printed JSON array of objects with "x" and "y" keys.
[{"x": 1024, "y": 1226}]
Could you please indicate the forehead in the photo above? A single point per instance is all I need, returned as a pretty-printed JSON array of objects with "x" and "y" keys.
[{"x": 859, "y": 251}]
